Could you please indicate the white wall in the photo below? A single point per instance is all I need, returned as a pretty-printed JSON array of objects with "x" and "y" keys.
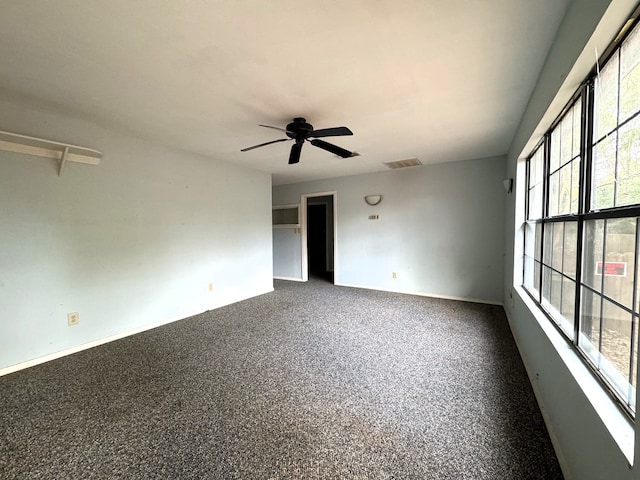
[
  {"x": 440, "y": 229},
  {"x": 129, "y": 244},
  {"x": 591, "y": 436}
]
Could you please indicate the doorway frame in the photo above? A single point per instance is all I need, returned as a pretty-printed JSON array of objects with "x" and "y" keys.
[{"x": 303, "y": 233}]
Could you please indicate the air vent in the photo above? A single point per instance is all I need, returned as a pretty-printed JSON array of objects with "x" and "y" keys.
[{"x": 412, "y": 162}]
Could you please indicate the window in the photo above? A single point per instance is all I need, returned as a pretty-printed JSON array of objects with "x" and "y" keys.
[{"x": 582, "y": 231}]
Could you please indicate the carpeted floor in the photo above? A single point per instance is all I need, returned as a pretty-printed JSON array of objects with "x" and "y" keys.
[{"x": 312, "y": 381}]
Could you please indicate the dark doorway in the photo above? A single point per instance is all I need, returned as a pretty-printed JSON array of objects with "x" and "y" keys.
[{"x": 320, "y": 237}]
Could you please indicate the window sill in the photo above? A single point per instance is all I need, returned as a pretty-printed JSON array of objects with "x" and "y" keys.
[{"x": 620, "y": 427}]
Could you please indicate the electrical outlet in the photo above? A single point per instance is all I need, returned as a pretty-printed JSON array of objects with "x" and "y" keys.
[
  {"x": 73, "y": 319},
  {"x": 211, "y": 287},
  {"x": 395, "y": 275}
]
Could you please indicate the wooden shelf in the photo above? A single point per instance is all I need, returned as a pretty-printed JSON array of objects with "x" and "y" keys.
[{"x": 61, "y": 152}]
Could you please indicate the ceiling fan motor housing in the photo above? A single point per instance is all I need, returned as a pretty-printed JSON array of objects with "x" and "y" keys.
[{"x": 299, "y": 129}]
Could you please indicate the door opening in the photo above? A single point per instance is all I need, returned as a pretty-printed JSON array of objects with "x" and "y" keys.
[{"x": 320, "y": 232}]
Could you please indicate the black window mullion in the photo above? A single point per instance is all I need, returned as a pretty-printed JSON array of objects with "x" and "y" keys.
[
  {"x": 602, "y": 278},
  {"x": 564, "y": 236},
  {"x": 527, "y": 183},
  {"x": 586, "y": 126},
  {"x": 546, "y": 166},
  {"x": 546, "y": 155},
  {"x": 578, "y": 291},
  {"x": 632, "y": 117},
  {"x": 617, "y": 132},
  {"x": 541, "y": 274},
  {"x": 527, "y": 175},
  {"x": 634, "y": 307},
  {"x": 587, "y": 145}
]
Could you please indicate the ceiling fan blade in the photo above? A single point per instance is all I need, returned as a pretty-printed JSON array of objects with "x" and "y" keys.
[
  {"x": 263, "y": 144},
  {"x": 331, "y": 132},
  {"x": 294, "y": 157},
  {"x": 330, "y": 147},
  {"x": 275, "y": 128}
]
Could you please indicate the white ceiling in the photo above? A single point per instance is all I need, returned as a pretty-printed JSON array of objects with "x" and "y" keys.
[{"x": 440, "y": 80}]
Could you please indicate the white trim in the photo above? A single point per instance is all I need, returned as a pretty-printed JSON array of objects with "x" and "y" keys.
[
  {"x": 303, "y": 233},
  {"x": 424, "y": 294},
  {"x": 304, "y": 255},
  {"x": 102, "y": 341},
  {"x": 289, "y": 278}
]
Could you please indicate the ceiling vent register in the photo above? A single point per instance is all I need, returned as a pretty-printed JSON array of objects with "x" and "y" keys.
[{"x": 412, "y": 162}]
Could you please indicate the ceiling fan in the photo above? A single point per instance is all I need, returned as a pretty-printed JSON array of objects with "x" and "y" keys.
[{"x": 299, "y": 130}]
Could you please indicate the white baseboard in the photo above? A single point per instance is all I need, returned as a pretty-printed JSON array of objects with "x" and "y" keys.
[
  {"x": 102, "y": 341},
  {"x": 425, "y": 294},
  {"x": 289, "y": 278}
]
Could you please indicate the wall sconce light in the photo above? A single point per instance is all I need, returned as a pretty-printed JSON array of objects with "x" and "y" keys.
[
  {"x": 508, "y": 185},
  {"x": 373, "y": 199}
]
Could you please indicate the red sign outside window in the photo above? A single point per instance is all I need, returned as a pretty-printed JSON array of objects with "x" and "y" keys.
[{"x": 612, "y": 269}]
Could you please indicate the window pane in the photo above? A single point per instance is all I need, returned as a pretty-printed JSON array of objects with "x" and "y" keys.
[
  {"x": 566, "y": 128},
  {"x": 558, "y": 244},
  {"x": 575, "y": 186},
  {"x": 570, "y": 249},
  {"x": 619, "y": 262},
  {"x": 615, "y": 360},
  {"x": 568, "y": 305},
  {"x": 536, "y": 278},
  {"x": 546, "y": 286},
  {"x": 589, "y": 340},
  {"x": 554, "y": 190},
  {"x": 606, "y": 99},
  {"x": 630, "y": 75},
  {"x": 531, "y": 243},
  {"x": 634, "y": 358},
  {"x": 529, "y": 239},
  {"x": 577, "y": 124},
  {"x": 535, "y": 202},
  {"x": 556, "y": 291},
  {"x": 564, "y": 187},
  {"x": 538, "y": 253},
  {"x": 537, "y": 166},
  {"x": 528, "y": 272},
  {"x": 628, "y": 172},
  {"x": 593, "y": 253},
  {"x": 604, "y": 173},
  {"x": 547, "y": 253},
  {"x": 555, "y": 149}
]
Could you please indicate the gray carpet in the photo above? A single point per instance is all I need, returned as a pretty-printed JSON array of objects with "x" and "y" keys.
[{"x": 312, "y": 381}]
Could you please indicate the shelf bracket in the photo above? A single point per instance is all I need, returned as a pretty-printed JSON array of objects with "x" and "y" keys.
[
  {"x": 40, "y": 147},
  {"x": 63, "y": 160}
]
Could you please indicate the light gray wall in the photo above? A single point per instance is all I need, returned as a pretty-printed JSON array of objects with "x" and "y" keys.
[
  {"x": 567, "y": 397},
  {"x": 129, "y": 244},
  {"x": 440, "y": 229}
]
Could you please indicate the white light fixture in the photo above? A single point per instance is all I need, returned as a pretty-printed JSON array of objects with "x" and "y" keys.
[{"x": 373, "y": 199}]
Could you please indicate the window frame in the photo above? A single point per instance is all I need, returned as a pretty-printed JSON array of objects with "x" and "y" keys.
[{"x": 585, "y": 213}]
